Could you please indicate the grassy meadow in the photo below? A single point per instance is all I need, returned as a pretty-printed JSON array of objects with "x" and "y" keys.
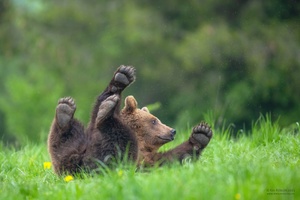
[{"x": 263, "y": 164}]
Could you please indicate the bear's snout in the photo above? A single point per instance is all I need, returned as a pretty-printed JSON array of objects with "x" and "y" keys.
[{"x": 173, "y": 133}]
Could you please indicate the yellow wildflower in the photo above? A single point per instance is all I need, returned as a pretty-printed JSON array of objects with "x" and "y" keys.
[
  {"x": 237, "y": 196},
  {"x": 69, "y": 178},
  {"x": 120, "y": 173},
  {"x": 47, "y": 165}
]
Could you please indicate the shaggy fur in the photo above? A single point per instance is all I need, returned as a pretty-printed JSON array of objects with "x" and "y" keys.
[{"x": 113, "y": 134}]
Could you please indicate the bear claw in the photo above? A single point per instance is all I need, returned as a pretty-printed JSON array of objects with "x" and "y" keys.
[
  {"x": 65, "y": 111},
  {"x": 201, "y": 135}
]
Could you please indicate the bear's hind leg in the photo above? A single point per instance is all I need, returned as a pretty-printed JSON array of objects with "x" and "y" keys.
[
  {"x": 65, "y": 112},
  {"x": 106, "y": 109},
  {"x": 122, "y": 78},
  {"x": 66, "y": 140}
]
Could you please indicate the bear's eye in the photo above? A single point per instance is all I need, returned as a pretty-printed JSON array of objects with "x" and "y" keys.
[{"x": 154, "y": 121}]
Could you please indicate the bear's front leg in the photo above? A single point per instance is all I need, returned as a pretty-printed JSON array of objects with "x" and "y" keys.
[
  {"x": 122, "y": 78},
  {"x": 200, "y": 137}
]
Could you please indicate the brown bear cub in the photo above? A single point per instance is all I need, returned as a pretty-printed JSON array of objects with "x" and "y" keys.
[
  {"x": 113, "y": 133},
  {"x": 152, "y": 134}
]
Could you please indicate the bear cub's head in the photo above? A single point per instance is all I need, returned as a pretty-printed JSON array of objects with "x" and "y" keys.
[{"x": 150, "y": 132}]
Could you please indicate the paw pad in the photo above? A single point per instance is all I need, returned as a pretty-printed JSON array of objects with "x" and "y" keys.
[
  {"x": 201, "y": 135},
  {"x": 65, "y": 111},
  {"x": 106, "y": 107},
  {"x": 123, "y": 77}
]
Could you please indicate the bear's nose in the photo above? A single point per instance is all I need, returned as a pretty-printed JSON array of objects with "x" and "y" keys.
[{"x": 173, "y": 132}]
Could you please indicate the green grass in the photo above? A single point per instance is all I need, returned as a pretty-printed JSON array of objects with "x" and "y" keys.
[{"x": 263, "y": 165}]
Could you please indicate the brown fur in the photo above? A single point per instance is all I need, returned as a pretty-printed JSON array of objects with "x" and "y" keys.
[
  {"x": 73, "y": 148},
  {"x": 152, "y": 134},
  {"x": 114, "y": 134}
]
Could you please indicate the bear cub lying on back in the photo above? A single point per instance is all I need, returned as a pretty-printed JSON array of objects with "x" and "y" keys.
[{"x": 114, "y": 133}]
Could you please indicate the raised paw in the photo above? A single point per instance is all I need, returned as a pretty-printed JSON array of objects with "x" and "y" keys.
[
  {"x": 201, "y": 135},
  {"x": 106, "y": 108},
  {"x": 65, "y": 111},
  {"x": 123, "y": 77}
]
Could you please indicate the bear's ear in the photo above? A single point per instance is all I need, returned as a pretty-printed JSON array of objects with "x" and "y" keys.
[
  {"x": 130, "y": 104},
  {"x": 145, "y": 109}
]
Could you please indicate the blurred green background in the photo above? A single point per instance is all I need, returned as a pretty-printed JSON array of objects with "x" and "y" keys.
[{"x": 234, "y": 59}]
